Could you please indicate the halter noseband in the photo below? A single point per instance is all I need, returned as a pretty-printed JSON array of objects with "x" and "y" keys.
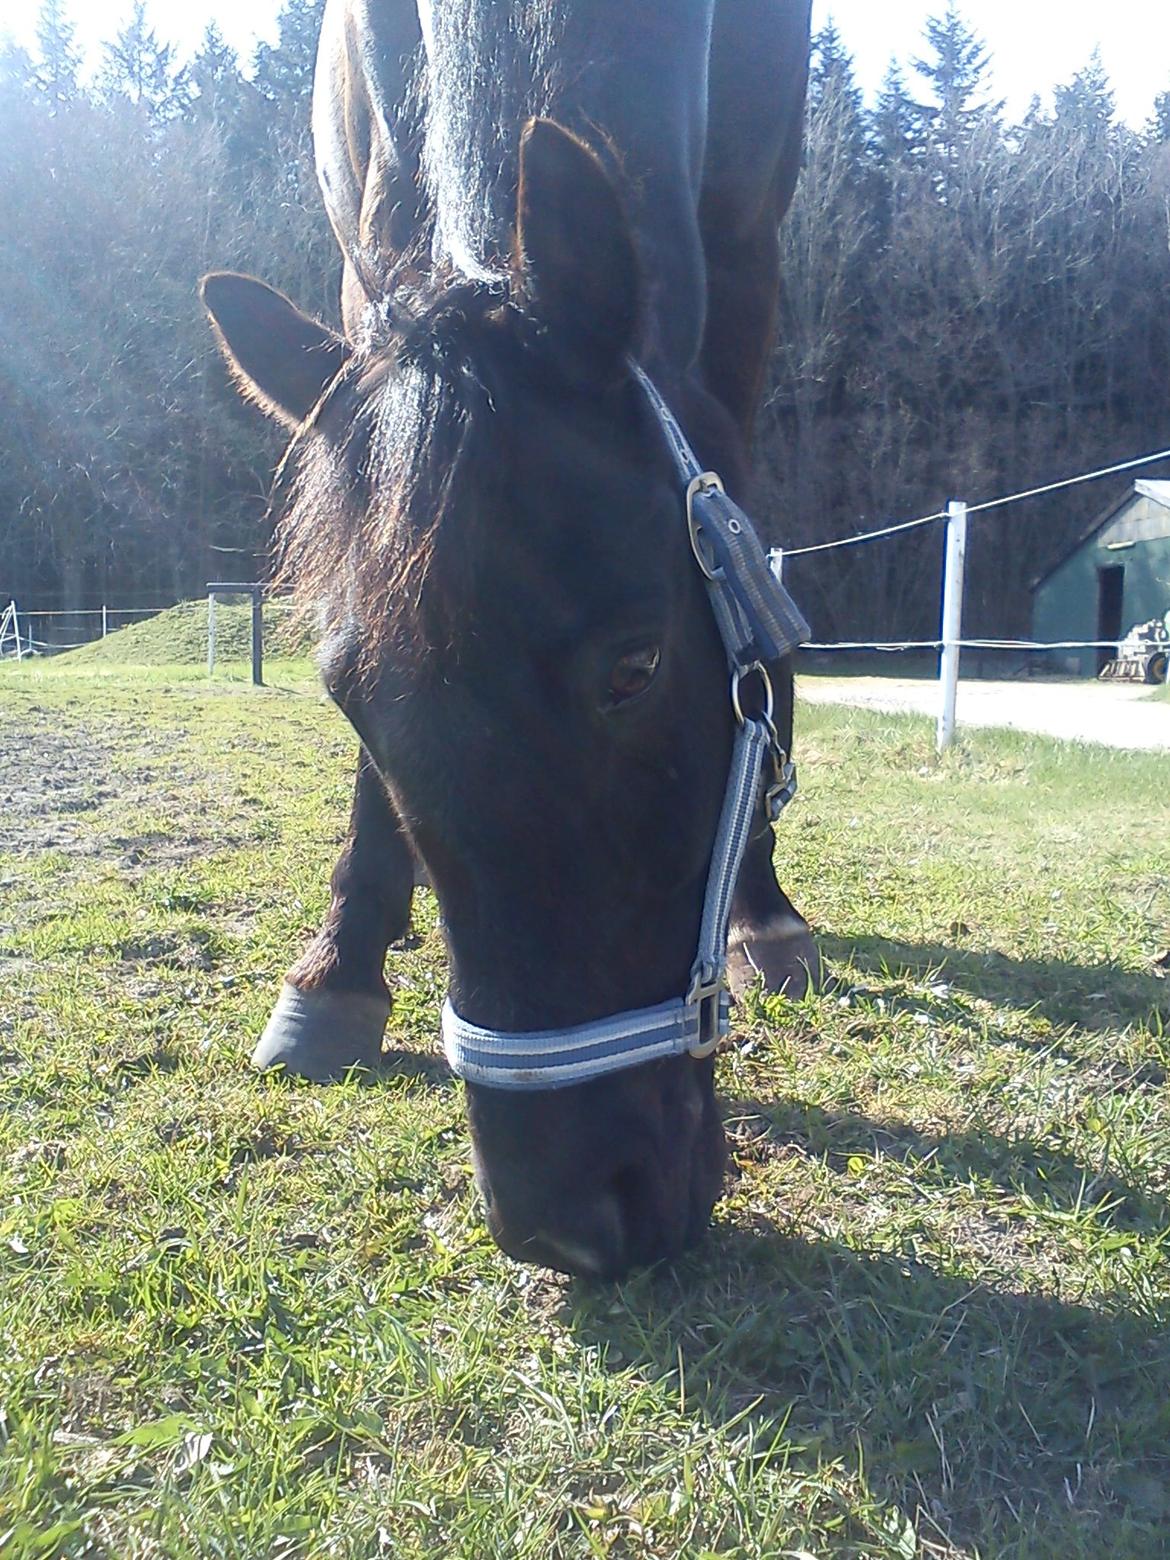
[{"x": 758, "y": 623}]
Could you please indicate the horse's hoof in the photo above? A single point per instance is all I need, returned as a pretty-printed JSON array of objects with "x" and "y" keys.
[
  {"x": 320, "y": 1035},
  {"x": 781, "y": 954}
]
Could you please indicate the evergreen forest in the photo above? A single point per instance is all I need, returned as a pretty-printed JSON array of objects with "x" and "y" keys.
[{"x": 970, "y": 307}]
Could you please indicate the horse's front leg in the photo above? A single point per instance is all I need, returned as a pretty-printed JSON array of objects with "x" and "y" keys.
[
  {"x": 334, "y": 1004},
  {"x": 769, "y": 939}
]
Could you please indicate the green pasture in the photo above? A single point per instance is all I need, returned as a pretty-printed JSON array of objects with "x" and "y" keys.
[{"x": 243, "y": 1318}]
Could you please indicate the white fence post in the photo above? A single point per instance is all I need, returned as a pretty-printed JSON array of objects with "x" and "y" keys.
[
  {"x": 10, "y": 624},
  {"x": 210, "y": 632},
  {"x": 105, "y": 624},
  {"x": 952, "y": 620}
]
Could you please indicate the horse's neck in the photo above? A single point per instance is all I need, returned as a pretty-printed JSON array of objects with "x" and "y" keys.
[{"x": 630, "y": 78}]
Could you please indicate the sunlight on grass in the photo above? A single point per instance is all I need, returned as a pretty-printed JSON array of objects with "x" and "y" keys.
[{"x": 245, "y": 1318}]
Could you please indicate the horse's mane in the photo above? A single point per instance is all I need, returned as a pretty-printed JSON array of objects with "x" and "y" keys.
[
  {"x": 399, "y": 441},
  {"x": 393, "y": 447},
  {"x": 489, "y": 67}
]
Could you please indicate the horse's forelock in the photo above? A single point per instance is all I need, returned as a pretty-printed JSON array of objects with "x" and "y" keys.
[{"x": 379, "y": 482}]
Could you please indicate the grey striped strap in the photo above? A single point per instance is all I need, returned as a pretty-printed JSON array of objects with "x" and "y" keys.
[
  {"x": 555, "y": 1058},
  {"x": 757, "y": 617}
]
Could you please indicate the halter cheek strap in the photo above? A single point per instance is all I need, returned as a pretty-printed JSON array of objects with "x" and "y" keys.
[{"x": 758, "y": 622}]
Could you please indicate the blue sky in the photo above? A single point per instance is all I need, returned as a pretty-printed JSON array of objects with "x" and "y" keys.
[{"x": 1034, "y": 43}]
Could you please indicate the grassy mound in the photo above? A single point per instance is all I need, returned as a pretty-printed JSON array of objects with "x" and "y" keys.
[{"x": 178, "y": 637}]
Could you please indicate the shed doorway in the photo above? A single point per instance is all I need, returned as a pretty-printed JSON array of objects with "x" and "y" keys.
[{"x": 1110, "y": 593}]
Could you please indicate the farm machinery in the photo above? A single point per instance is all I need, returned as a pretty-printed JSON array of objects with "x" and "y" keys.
[{"x": 1143, "y": 655}]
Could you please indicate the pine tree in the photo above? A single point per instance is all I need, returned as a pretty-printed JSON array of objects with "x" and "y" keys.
[
  {"x": 1088, "y": 100},
  {"x": 834, "y": 95},
  {"x": 214, "y": 64},
  {"x": 214, "y": 79},
  {"x": 831, "y": 66},
  {"x": 957, "y": 77},
  {"x": 17, "y": 72},
  {"x": 896, "y": 130},
  {"x": 1160, "y": 124},
  {"x": 284, "y": 70},
  {"x": 142, "y": 69},
  {"x": 57, "y": 52}
]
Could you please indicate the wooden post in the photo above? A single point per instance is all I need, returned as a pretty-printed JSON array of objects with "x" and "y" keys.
[
  {"x": 951, "y": 630},
  {"x": 210, "y": 632},
  {"x": 105, "y": 623},
  {"x": 257, "y": 638}
]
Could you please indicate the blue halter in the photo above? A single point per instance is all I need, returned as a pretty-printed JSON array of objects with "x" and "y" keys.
[{"x": 758, "y": 622}]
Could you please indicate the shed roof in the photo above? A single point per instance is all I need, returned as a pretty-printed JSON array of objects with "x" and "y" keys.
[{"x": 1157, "y": 492}]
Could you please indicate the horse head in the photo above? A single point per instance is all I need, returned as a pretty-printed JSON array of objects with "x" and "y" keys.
[{"x": 483, "y": 502}]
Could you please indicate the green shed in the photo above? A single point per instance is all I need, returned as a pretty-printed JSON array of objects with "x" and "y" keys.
[{"x": 1115, "y": 575}]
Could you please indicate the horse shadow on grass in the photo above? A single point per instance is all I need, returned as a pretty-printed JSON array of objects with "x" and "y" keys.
[
  {"x": 998, "y": 1420},
  {"x": 393, "y": 1064},
  {"x": 1013, "y": 1422},
  {"x": 1031, "y": 1172},
  {"x": 396, "y": 1062},
  {"x": 1088, "y": 997},
  {"x": 1007, "y": 1421}
]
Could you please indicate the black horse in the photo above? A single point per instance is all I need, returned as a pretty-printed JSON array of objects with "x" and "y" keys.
[{"x": 527, "y": 196}]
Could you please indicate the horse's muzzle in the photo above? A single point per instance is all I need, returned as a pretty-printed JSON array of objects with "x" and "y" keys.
[{"x": 598, "y": 1179}]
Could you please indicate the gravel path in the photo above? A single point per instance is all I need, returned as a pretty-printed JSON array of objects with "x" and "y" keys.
[{"x": 1120, "y": 715}]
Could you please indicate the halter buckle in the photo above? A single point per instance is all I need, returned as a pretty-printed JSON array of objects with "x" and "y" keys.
[
  {"x": 783, "y": 788},
  {"x": 709, "y": 994},
  {"x": 705, "y": 482}
]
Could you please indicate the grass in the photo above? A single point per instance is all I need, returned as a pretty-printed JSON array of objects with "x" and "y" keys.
[{"x": 242, "y": 1318}]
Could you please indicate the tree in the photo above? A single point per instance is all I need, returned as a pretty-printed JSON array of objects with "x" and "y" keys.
[
  {"x": 284, "y": 70},
  {"x": 58, "y": 56},
  {"x": 213, "y": 76},
  {"x": 831, "y": 69},
  {"x": 142, "y": 69},
  {"x": 17, "y": 73},
  {"x": 1088, "y": 100},
  {"x": 956, "y": 74},
  {"x": 896, "y": 130}
]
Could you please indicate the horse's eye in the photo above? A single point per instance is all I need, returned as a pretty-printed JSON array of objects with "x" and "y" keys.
[{"x": 632, "y": 673}]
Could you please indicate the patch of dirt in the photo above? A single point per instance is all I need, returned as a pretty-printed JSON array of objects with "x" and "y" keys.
[
  {"x": 57, "y": 774},
  {"x": 48, "y": 776},
  {"x": 185, "y": 951}
]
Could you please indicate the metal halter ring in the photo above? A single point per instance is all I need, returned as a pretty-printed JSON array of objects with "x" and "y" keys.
[
  {"x": 705, "y": 482},
  {"x": 764, "y": 714}
]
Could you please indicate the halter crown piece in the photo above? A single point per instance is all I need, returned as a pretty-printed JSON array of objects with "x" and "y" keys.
[{"x": 758, "y": 622}]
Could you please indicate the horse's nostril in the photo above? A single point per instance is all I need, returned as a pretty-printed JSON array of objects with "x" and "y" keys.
[
  {"x": 655, "y": 1221},
  {"x": 630, "y": 1223},
  {"x": 593, "y": 1245}
]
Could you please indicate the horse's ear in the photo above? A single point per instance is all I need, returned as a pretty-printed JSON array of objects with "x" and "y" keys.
[
  {"x": 281, "y": 358},
  {"x": 574, "y": 252}
]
